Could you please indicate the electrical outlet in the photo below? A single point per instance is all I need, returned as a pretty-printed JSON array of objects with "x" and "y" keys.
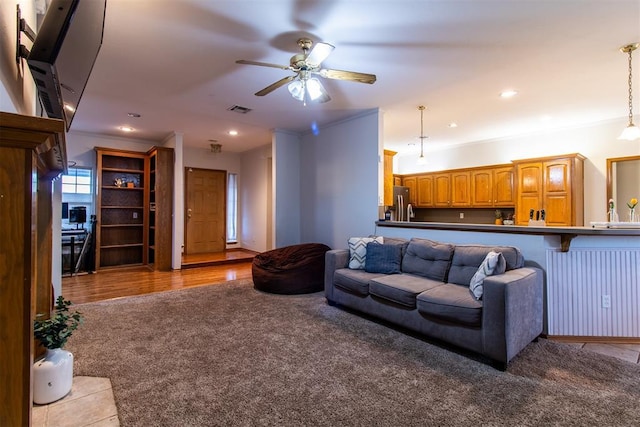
[
  {"x": 606, "y": 301},
  {"x": 461, "y": 215}
]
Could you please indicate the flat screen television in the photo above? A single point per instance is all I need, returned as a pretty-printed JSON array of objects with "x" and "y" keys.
[{"x": 63, "y": 53}]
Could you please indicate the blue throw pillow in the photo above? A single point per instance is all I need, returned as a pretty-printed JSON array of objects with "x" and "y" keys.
[{"x": 382, "y": 258}]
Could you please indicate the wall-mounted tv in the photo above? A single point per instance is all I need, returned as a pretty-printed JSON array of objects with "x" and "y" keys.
[{"x": 63, "y": 53}]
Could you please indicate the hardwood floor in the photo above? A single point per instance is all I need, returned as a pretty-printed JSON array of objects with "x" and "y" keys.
[{"x": 124, "y": 282}]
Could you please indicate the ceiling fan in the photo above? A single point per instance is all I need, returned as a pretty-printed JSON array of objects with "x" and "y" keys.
[{"x": 303, "y": 85}]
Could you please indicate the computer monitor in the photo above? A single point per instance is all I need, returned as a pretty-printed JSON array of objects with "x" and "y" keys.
[{"x": 65, "y": 210}]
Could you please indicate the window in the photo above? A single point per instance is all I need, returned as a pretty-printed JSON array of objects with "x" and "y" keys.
[
  {"x": 77, "y": 181},
  {"x": 77, "y": 191},
  {"x": 232, "y": 208}
]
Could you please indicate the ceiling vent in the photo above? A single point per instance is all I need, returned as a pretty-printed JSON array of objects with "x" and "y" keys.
[{"x": 239, "y": 109}]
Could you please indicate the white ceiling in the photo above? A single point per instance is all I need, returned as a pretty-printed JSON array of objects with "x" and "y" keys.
[{"x": 173, "y": 62}]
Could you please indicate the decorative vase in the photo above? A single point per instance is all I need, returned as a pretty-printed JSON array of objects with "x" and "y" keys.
[
  {"x": 632, "y": 215},
  {"x": 52, "y": 376},
  {"x": 498, "y": 221}
]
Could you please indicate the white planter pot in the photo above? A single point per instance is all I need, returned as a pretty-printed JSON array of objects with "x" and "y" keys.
[{"x": 52, "y": 376}]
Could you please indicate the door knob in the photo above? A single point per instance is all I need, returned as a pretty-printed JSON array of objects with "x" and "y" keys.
[{"x": 189, "y": 213}]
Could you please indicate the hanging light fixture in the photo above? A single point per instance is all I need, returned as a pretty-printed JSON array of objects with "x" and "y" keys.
[
  {"x": 631, "y": 132},
  {"x": 422, "y": 160}
]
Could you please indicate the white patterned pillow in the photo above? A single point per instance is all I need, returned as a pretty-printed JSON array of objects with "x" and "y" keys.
[
  {"x": 476, "y": 286},
  {"x": 358, "y": 250}
]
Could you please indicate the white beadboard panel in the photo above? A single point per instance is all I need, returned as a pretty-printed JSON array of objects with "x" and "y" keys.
[{"x": 576, "y": 283}]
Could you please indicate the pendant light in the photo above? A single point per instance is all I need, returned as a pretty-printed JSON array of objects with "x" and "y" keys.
[
  {"x": 631, "y": 132},
  {"x": 422, "y": 160}
]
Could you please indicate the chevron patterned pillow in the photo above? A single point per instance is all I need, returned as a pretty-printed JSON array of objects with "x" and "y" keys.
[{"x": 358, "y": 250}]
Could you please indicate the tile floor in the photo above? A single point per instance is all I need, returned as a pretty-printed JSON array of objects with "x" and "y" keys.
[{"x": 91, "y": 402}]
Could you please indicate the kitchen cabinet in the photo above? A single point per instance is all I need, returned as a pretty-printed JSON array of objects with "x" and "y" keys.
[
  {"x": 411, "y": 182},
  {"x": 461, "y": 189},
  {"x": 493, "y": 187},
  {"x": 388, "y": 177},
  {"x": 442, "y": 190},
  {"x": 555, "y": 184},
  {"x": 32, "y": 154},
  {"x": 425, "y": 191}
]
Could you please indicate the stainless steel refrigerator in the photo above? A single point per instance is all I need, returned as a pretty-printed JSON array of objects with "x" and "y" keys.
[{"x": 400, "y": 203}]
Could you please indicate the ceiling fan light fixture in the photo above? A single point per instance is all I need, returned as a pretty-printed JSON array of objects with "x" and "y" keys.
[
  {"x": 296, "y": 89},
  {"x": 314, "y": 89},
  {"x": 631, "y": 132}
]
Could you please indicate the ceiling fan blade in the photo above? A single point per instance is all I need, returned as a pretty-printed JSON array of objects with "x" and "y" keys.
[
  {"x": 267, "y": 90},
  {"x": 319, "y": 53},
  {"x": 263, "y": 64},
  {"x": 348, "y": 75}
]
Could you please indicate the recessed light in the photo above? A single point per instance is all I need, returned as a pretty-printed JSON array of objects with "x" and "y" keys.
[
  {"x": 126, "y": 128},
  {"x": 135, "y": 115},
  {"x": 453, "y": 125},
  {"x": 233, "y": 132},
  {"x": 508, "y": 93}
]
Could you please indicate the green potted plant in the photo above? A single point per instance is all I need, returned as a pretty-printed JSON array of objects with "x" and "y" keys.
[
  {"x": 498, "y": 214},
  {"x": 53, "y": 375}
]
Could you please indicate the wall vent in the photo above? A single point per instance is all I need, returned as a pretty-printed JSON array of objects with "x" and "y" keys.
[{"x": 239, "y": 109}]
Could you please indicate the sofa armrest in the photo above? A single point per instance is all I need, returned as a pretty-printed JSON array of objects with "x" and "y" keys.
[
  {"x": 333, "y": 260},
  {"x": 512, "y": 312}
]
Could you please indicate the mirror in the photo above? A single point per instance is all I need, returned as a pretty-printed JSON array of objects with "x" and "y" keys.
[{"x": 623, "y": 183}]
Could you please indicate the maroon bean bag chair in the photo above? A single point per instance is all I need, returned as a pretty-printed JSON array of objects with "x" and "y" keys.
[{"x": 297, "y": 269}]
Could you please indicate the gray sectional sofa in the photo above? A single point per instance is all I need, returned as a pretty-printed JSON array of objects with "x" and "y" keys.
[{"x": 429, "y": 293}]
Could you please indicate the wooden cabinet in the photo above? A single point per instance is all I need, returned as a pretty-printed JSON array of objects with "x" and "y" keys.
[
  {"x": 493, "y": 187},
  {"x": 442, "y": 190},
  {"x": 122, "y": 194},
  {"x": 555, "y": 184},
  {"x": 461, "y": 189},
  {"x": 32, "y": 155},
  {"x": 388, "y": 177},
  {"x": 160, "y": 208},
  {"x": 425, "y": 191},
  {"x": 411, "y": 182}
]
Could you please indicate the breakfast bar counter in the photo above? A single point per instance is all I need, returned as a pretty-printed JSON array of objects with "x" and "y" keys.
[{"x": 592, "y": 274}]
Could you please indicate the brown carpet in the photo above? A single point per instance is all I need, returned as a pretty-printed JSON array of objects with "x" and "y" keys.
[{"x": 228, "y": 355}]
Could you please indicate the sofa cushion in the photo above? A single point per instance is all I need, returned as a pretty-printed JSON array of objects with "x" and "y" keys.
[
  {"x": 428, "y": 258},
  {"x": 383, "y": 258},
  {"x": 358, "y": 250},
  {"x": 452, "y": 303},
  {"x": 467, "y": 259},
  {"x": 354, "y": 281},
  {"x": 401, "y": 288},
  {"x": 486, "y": 269}
]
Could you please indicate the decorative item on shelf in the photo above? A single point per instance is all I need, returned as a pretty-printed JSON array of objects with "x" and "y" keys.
[
  {"x": 118, "y": 182},
  {"x": 613, "y": 215},
  {"x": 53, "y": 375},
  {"x": 632, "y": 209},
  {"x": 498, "y": 214},
  {"x": 631, "y": 132},
  {"x": 509, "y": 220},
  {"x": 131, "y": 184}
]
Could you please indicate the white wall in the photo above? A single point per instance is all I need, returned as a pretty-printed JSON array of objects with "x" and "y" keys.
[
  {"x": 286, "y": 188},
  {"x": 597, "y": 143},
  {"x": 340, "y": 181},
  {"x": 254, "y": 187}
]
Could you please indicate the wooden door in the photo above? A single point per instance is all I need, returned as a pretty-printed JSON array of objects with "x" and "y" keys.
[
  {"x": 482, "y": 188},
  {"x": 529, "y": 192},
  {"x": 503, "y": 187},
  {"x": 442, "y": 190},
  {"x": 425, "y": 191},
  {"x": 557, "y": 192},
  {"x": 388, "y": 177},
  {"x": 205, "y": 216}
]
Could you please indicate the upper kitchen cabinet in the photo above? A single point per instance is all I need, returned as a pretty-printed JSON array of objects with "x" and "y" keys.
[
  {"x": 411, "y": 182},
  {"x": 553, "y": 184},
  {"x": 442, "y": 190},
  {"x": 493, "y": 187},
  {"x": 425, "y": 191},
  {"x": 460, "y": 189},
  {"x": 388, "y": 177}
]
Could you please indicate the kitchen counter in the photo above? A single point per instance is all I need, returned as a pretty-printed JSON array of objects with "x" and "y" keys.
[{"x": 566, "y": 233}]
